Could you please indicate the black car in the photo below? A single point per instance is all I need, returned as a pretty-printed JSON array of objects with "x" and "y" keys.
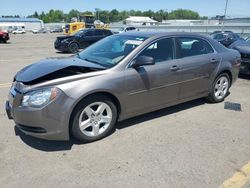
[
  {"x": 243, "y": 46},
  {"x": 80, "y": 39},
  {"x": 225, "y": 37}
]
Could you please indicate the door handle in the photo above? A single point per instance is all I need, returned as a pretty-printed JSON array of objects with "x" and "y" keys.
[
  {"x": 214, "y": 61},
  {"x": 175, "y": 68}
]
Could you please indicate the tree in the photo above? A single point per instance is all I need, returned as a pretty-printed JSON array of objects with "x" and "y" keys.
[
  {"x": 183, "y": 14},
  {"x": 115, "y": 15}
]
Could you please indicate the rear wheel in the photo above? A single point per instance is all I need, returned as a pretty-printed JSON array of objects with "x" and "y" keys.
[
  {"x": 219, "y": 89},
  {"x": 73, "y": 47},
  {"x": 94, "y": 118}
]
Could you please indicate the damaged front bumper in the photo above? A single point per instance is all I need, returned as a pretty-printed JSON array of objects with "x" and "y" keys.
[
  {"x": 245, "y": 66},
  {"x": 50, "y": 122}
]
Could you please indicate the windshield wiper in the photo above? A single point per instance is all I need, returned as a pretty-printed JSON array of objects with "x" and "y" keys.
[
  {"x": 95, "y": 62},
  {"x": 92, "y": 61}
]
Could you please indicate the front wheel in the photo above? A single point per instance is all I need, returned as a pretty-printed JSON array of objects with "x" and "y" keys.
[
  {"x": 219, "y": 89},
  {"x": 94, "y": 118},
  {"x": 73, "y": 47}
]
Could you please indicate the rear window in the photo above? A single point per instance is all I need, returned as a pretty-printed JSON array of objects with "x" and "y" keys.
[
  {"x": 189, "y": 46},
  {"x": 98, "y": 32},
  {"x": 218, "y": 36}
]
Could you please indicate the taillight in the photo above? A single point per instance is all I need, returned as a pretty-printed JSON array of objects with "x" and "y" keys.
[{"x": 237, "y": 62}]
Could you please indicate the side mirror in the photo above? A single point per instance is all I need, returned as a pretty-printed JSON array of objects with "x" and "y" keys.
[{"x": 143, "y": 60}]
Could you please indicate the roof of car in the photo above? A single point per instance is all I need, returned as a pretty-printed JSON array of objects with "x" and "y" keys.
[
  {"x": 90, "y": 29},
  {"x": 149, "y": 34}
]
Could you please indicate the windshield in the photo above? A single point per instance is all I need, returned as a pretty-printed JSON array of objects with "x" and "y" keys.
[
  {"x": 218, "y": 36},
  {"x": 78, "y": 32},
  {"x": 111, "y": 50}
]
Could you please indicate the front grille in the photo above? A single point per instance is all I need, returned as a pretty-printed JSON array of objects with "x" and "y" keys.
[{"x": 57, "y": 43}]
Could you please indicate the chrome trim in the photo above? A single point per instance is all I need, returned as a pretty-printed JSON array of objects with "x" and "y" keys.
[
  {"x": 130, "y": 62},
  {"x": 167, "y": 85}
]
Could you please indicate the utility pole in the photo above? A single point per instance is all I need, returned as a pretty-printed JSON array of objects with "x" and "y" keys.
[
  {"x": 97, "y": 12},
  {"x": 225, "y": 13},
  {"x": 224, "y": 16}
]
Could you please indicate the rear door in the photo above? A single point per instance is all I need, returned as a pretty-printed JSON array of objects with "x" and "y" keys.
[{"x": 197, "y": 63}]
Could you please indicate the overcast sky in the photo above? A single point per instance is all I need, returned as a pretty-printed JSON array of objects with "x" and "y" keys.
[{"x": 236, "y": 8}]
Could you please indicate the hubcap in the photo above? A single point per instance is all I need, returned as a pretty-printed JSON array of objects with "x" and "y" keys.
[
  {"x": 95, "y": 119},
  {"x": 74, "y": 48},
  {"x": 221, "y": 87}
]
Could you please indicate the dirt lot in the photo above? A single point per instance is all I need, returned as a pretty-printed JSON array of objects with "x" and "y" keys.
[{"x": 190, "y": 145}]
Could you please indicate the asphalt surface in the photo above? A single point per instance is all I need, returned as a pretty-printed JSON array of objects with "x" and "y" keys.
[{"x": 189, "y": 145}]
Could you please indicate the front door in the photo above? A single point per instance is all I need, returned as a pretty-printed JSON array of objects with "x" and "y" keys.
[{"x": 156, "y": 85}]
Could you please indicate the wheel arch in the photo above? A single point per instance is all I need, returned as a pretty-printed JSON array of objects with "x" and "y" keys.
[
  {"x": 228, "y": 72},
  {"x": 105, "y": 93}
]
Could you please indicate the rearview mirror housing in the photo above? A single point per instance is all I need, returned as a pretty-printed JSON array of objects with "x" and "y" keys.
[{"x": 142, "y": 61}]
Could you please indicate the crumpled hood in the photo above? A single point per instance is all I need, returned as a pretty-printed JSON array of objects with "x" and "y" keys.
[
  {"x": 65, "y": 37},
  {"x": 50, "y": 65}
]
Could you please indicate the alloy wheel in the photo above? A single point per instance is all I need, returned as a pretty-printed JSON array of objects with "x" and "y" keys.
[
  {"x": 221, "y": 87},
  {"x": 95, "y": 119}
]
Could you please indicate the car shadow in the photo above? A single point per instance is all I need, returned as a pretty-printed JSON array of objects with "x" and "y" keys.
[
  {"x": 244, "y": 76},
  {"x": 159, "y": 113},
  {"x": 50, "y": 146},
  {"x": 58, "y": 52}
]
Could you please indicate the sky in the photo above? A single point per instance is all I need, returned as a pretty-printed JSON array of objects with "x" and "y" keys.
[{"x": 236, "y": 8}]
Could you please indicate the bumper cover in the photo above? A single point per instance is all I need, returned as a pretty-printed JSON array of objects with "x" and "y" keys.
[
  {"x": 245, "y": 66},
  {"x": 8, "y": 110},
  {"x": 50, "y": 122}
]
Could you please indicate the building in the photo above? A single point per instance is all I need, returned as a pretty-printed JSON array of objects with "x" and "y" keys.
[
  {"x": 140, "y": 20},
  {"x": 28, "y": 24}
]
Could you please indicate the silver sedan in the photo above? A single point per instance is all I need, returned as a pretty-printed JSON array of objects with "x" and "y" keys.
[{"x": 119, "y": 77}]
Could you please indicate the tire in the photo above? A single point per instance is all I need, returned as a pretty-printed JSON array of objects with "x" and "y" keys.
[
  {"x": 219, "y": 89},
  {"x": 73, "y": 47},
  {"x": 96, "y": 124}
]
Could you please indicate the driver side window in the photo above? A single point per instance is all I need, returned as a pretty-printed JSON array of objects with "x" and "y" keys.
[
  {"x": 161, "y": 50},
  {"x": 89, "y": 33}
]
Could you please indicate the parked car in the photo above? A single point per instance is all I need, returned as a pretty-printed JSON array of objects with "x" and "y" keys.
[
  {"x": 56, "y": 30},
  {"x": 36, "y": 31},
  {"x": 4, "y": 36},
  {"x": 80, "y": 39},
  {"x": 126, "y": 29},
  {"x": 243, "y": 46},
  {"x": 19, "y": 31},
  {"x": 118, "y": 77},
  {"x": 225, "y": 37}
]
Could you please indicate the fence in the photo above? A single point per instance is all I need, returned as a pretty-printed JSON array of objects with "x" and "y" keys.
[{"x": 244, "y": 31}]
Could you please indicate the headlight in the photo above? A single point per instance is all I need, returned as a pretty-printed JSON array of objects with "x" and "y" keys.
[
  {"x": 40, "y": 97},
  {"x": 66, "y": 41}
]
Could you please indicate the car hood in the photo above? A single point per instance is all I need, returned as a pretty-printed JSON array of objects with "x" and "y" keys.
[
  {"x": 53, "y": 68},
  {"x": 65, "y": 37}
]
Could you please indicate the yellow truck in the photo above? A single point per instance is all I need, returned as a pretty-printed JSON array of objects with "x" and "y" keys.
[
  {"x": 86, "y": 21},
  {"x": 73, "y": 27}
]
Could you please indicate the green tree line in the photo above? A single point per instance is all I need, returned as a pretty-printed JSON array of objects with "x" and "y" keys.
[{"x": 116, "y": 16}]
